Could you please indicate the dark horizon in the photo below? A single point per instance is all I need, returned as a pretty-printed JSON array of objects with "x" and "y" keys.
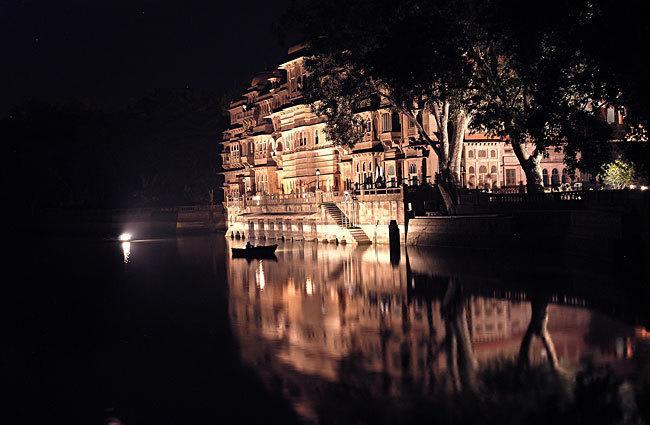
[{"x": 104, "y": 54}]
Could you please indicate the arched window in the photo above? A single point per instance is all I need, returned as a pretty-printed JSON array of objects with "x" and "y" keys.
[
  {"x": 565, "y": 178},
  {"x": 412, "y": 169},
  {"x": 357, "y": 167},
  {"x": 482, "y": 169},
  {"x": 482, "y": 154},
  {"x": 279, "y": 147},
  {"x": 471, "y": 170},
  {"x": 545, "y": 176},
  {"x": 493, "y": 169},
  {"x": 555, "y": 177},
  {"x": 493, "y": 154},
  {"x": 470, "y": 154},
  {"x": 316, "y": 138},
  {"x": 364, "y": 166}
]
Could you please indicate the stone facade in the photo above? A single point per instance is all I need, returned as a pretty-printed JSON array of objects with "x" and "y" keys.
[{"x": 276, "y": 156}]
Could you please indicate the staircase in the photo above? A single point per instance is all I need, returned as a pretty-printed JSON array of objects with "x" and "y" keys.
[{"x": 356, "y": 233}]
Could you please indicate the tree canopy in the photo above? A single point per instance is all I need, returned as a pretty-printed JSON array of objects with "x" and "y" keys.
[
  {"x": 528, "y": 73},
  {"x": 158, "y": 150}
]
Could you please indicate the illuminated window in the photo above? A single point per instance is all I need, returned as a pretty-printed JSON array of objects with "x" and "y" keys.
[
  {"x": 493, "y": 154},
  {"x": 385, "y": 122},
  {"x": 493, "y": 170},
  {"x": 482, "y": 154},
  {"x": 555, "y": 177},
  {"x": 482, "y": 169}
]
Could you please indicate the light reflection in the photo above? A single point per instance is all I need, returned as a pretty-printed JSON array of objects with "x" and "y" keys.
[
  {"x": 390, "y": 321},
  {"x": 259, "y": 276},
  {"x": 126, "y": 251}
]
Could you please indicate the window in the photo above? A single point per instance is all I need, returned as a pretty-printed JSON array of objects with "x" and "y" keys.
[
  {"x": 470, "y": 154},
  {"x": 471, "y": 170},
  {"x": 555, "y": 177},
  {"x": 482, "y": 154},
  {"x": 411, "y": 123},
  {"x": 545, "y": 176},
  {"x": 482, "y": 169},
  {"x": 493, "y": 154},
  {"x": 412, "y": 169},
  {"x": 493, "y": 169},
  {"x": 385, "y": 122},
  {"x": 316, "y": 138},
  {"x": 511, "y": 177},
  {"x": 391, "y": 170}
]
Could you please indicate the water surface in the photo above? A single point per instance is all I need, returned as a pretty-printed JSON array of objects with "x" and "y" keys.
[{"x": 175, "y": 331}]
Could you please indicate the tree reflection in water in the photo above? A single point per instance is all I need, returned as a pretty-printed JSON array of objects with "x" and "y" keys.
[{"x": 348, "y": 337}]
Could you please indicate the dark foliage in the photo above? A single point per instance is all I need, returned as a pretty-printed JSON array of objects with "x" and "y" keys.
[{"x": 160, "y": 150}]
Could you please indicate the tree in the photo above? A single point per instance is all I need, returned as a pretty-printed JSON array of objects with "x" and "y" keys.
[
  {"x": 537, "y": 326},
  {"x": 541, "y": 87},
  {"x": 370, "y": 53},
  {"x": 158, "y": 150},
  {"x": 619, "y": 174}
]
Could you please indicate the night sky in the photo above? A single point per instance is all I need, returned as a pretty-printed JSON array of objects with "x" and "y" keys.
[{"x": 104, "y": 53}]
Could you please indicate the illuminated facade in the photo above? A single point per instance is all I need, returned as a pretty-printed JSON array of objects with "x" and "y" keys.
[
  {"x": 279, "y": 166},
  {"x": 276, "y": 145}
]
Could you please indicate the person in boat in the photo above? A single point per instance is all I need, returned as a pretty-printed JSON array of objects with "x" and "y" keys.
[{"x": 249, "y": 245}]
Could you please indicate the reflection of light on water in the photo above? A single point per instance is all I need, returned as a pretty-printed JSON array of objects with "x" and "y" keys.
[
  {"x": 309, "y": 286},
  {"x": 126, "y": 250},
  {"x": 259, "y": 276}
]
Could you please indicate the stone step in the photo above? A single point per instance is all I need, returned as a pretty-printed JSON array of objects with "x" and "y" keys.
[{"x": 342, "y": 221}]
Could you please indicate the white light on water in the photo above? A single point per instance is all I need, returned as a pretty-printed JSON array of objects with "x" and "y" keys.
[
  {"x": 126, "y": 250},
  {"x": 259, "y": 276},
  {"x": 124, "y": 237}
]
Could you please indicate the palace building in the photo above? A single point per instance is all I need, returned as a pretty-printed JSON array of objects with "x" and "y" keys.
[{"x": 277, "y": 159}]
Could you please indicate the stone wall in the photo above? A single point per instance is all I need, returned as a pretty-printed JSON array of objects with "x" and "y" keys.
[
  {"x": 309, "y": 220},
  {"x": 485, "y": 231}
]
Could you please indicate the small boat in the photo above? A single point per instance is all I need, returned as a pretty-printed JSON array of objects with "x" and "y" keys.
[{"x": 260, "y": 251}]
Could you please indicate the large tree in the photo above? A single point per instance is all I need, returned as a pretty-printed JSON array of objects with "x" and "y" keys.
[
  {"x": 541, "y": 87},
  {"x": 406, "y": 56},
  {"x": 518, "y": 71}
]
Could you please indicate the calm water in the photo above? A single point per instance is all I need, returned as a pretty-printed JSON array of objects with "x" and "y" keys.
[{"x": 174, "y": 331}]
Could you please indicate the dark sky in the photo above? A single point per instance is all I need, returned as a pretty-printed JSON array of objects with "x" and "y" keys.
[{"x": 105, "y": 52}]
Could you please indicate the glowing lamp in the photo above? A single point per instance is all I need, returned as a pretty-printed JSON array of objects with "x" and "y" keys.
[{"x": 125, "y": 237}]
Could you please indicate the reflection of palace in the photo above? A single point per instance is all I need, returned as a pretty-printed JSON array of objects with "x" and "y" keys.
[{"x": 303, "y": 318}]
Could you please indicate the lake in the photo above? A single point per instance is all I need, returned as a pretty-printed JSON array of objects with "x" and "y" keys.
[{"x": 175, "y": 331}]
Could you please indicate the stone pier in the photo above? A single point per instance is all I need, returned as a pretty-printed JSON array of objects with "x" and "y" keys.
[{"x": 361, "y": 218}]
